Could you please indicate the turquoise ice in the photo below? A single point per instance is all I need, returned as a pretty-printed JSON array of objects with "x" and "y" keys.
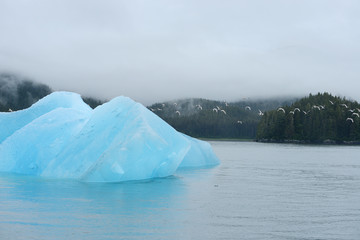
[{"x": 121, "y": 140}]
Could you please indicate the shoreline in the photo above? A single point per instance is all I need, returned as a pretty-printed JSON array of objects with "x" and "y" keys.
[
  {"x": 286, "y": 141},
  {"x": 228, "y": 139},
  {"x": 308, "y": 142}
]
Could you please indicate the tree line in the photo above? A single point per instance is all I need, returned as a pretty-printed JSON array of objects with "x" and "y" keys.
[
  {"x": 204, "y": 118},
  {"x": 315, "y": 119},
  {"x": 17, "y": 93}
]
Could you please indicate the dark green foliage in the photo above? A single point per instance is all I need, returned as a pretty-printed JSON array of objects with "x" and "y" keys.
[
  {"x": 92, "y": 102},
  {"x": 29, "y": 92},
  {"x": 3, "y": 108},
  {"x": 320, "y": 118},
  {"x": 215, "y": 119},
  {"x": 18, "y": 93}
]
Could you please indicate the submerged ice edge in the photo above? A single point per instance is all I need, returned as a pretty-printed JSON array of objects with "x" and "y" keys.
[{"x": 62, "y": 137}]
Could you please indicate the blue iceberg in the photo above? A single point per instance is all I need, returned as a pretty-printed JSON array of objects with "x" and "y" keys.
[{"x": 60, "y": 136}]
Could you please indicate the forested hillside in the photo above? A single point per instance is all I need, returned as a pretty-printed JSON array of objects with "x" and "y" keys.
[
  {"x": 316, "y": 118},
  {"x": 18, "y": 93},
  {"x": 216, "y": 119},
  {"x": 195, "y": 117}
]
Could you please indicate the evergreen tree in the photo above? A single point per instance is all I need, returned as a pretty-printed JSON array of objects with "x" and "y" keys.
[{"x": 315, "y": 118}]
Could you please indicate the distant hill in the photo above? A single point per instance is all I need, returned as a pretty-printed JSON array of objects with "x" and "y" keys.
[
  {"x": 18, "y": 93},
  {"x": 315, "y": 119},
  {"x": 196, "y": 117},
  {"x": 216, "y": 119}
]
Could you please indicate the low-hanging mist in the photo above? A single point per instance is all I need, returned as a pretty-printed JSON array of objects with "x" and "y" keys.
[{"x": 161, "y": 50}]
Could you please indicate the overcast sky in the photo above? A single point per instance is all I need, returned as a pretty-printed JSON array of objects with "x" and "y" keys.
[{"x": 168, "y": 49}]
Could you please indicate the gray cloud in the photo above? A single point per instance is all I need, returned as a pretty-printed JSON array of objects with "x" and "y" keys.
[{"x": 159, "y": 50}]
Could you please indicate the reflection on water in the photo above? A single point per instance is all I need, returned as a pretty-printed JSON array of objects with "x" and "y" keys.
[{"x": 260, "y": 191}]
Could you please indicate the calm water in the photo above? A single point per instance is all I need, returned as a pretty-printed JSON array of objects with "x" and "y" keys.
[{"x": 260, "y": 191}]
